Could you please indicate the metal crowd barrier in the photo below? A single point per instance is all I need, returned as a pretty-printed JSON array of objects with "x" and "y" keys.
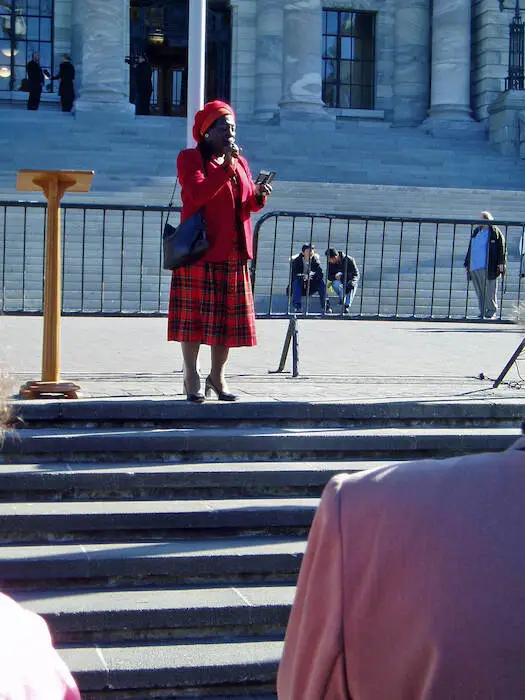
[
  {"x": 111, "y": 258},
  {"x": 410, "y": 268},
  {"x": 112, "y": 262}
]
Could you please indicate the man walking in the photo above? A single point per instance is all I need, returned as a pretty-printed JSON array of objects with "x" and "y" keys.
[{"x": 485, "y": 262}]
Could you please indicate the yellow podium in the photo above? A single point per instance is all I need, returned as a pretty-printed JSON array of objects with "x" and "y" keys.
[{"x": 53, "y": 183}]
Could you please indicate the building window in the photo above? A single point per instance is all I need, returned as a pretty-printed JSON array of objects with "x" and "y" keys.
[
  {"x": 348, "y": 59},
  {"x": 26, "y": 27}
]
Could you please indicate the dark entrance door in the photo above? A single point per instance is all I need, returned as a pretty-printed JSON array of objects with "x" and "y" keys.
[{"x": 159, "y": 31}]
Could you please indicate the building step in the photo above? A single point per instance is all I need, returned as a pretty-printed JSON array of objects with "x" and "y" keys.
[
  {"x": 211, "y": 670},
  {"x": 161, "y": 562},
  {"x": 104, "y": 616},
  {"x": 148, "y": 519},
  {"x": 130, "y": 480},
  {"x": 260, "y": 443}
]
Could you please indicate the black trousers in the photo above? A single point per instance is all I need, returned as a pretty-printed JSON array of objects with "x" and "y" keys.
[
  {"x": 34, "y": 97},
  {"x": 142, "y": 103},
  {"x": 67, "y": 103}
]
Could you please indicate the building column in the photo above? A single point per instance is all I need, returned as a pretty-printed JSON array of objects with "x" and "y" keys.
[
  {"x": 269, "y": 58},
  {"x": 302, "y": 60},
  {"x": 450, "y": 78},
  {"x": 243, "y": 56},
  {"x": 101, "y": 34},
  {"x": 411, "y": 63}
]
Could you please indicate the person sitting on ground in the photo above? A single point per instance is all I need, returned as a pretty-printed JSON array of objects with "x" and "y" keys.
[
  {"x": 412, "y": 585},
  {"x": 307, "y": 277},
  {"x": 344, "y": 276},
  {"x": 30, "y": 667},
  {"x": 485, "y": 262}
]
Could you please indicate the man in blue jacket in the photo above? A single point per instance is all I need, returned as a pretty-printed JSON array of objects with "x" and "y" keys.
[{"x": 485, "y": 262}]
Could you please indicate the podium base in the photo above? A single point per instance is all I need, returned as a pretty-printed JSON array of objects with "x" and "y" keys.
[{"x": 42, "y": 390}]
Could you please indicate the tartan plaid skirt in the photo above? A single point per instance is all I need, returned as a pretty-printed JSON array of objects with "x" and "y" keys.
[{"x": 212, "y": 303}]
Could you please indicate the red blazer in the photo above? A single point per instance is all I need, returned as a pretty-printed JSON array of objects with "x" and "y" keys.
[{"x": 213, "y": 191}]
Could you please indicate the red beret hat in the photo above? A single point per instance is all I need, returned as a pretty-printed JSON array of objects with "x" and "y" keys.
[{"x": 209, "y": 114}]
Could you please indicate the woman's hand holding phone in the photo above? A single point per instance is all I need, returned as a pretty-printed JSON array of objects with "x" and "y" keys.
[
  {"x": 263, "y": 187},
  {"x": 263, "y": 190}
]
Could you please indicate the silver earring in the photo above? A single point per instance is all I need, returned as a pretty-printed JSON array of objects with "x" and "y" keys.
[{"x": 206, "y": 135}]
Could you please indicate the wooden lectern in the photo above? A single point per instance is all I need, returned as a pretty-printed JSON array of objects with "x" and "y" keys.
[{"x": 53, "y": 183}]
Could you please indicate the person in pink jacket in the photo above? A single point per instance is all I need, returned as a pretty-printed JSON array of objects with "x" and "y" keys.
[
  {"x": 413, "y": 585},
  {"x": 30, "y": 667}
]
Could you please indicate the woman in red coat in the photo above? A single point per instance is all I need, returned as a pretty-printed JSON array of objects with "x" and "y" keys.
[{"x": 211, "y": 300}]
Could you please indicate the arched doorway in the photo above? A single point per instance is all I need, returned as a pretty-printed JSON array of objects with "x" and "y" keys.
[{"x": 159, "y": 31}]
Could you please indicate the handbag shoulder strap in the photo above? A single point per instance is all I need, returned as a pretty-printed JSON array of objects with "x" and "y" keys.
[{"x": 172, "y": 199}]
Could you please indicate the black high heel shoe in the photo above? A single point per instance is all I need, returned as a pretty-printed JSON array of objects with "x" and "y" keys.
[
  {"x": 221, "y": 395},
  {"x": 194, "y": 398}
]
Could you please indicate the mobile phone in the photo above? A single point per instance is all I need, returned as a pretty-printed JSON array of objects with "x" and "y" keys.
[{"x": 265, "y": 177}]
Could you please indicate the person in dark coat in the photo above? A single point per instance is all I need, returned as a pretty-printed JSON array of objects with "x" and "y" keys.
[
  {"x": 143, "y": 74},
  {"x": 344, "y": 276},
  {"x": 307, "y": 277},
  {"x": 66, "y": 90},
  {"x": 485, "y": 262},
  {"x": 35, "y": 80}
]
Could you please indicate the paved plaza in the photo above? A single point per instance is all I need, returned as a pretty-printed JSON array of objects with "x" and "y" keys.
[{"x": 346, "y": 360}]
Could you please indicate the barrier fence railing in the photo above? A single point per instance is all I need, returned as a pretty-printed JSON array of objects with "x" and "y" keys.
[
  {"x": 111, "y": 258},
  {"x": 409, "y": 268}
]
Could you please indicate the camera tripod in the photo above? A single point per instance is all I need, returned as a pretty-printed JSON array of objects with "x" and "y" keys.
[{"x": 509, "y": 364}]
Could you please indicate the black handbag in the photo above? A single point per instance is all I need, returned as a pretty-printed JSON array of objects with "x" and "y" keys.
[{"x": 185, "y": 243}]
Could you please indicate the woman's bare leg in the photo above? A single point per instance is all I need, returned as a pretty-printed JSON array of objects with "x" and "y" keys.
[
  {"x": 190, "y": 354},
  {"x": 219, "y": 356}
]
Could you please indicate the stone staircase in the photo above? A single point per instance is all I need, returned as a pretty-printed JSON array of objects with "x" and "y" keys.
[
  {"x": 356, "y": 168},
  {"x": 130, "y": 156},
  {"x": 162, "y": 540}
]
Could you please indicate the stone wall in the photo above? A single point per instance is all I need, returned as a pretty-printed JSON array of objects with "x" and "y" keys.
[
  {"x": 505, "y": 122},
  {"x": 490, "y": 46},
  {"x": 402, "y": 76}
]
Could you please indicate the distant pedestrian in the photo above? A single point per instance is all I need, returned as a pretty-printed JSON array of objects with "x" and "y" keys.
[
  {"x": 485, "y": 262},
  {"x": 143, "y": 86},
  {"x": 35, "y": 81},
  {"x": 66, "y": 90},
  {"x": 343, "y": 275}
]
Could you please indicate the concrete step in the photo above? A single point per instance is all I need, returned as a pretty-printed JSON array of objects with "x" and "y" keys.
[
  {"x": 161, "y": 562},
  {"x": 133, "y": 480},
  {"x": 244, "y": 669},
  {"x": 260, "y": 443},
  {"x": 146, "y": 412},
  {"x": 114, "y": 520},
  {"x": 104, "y": 616}
]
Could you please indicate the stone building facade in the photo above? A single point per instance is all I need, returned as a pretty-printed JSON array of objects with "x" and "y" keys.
[{"x": 411, "y": 62}]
